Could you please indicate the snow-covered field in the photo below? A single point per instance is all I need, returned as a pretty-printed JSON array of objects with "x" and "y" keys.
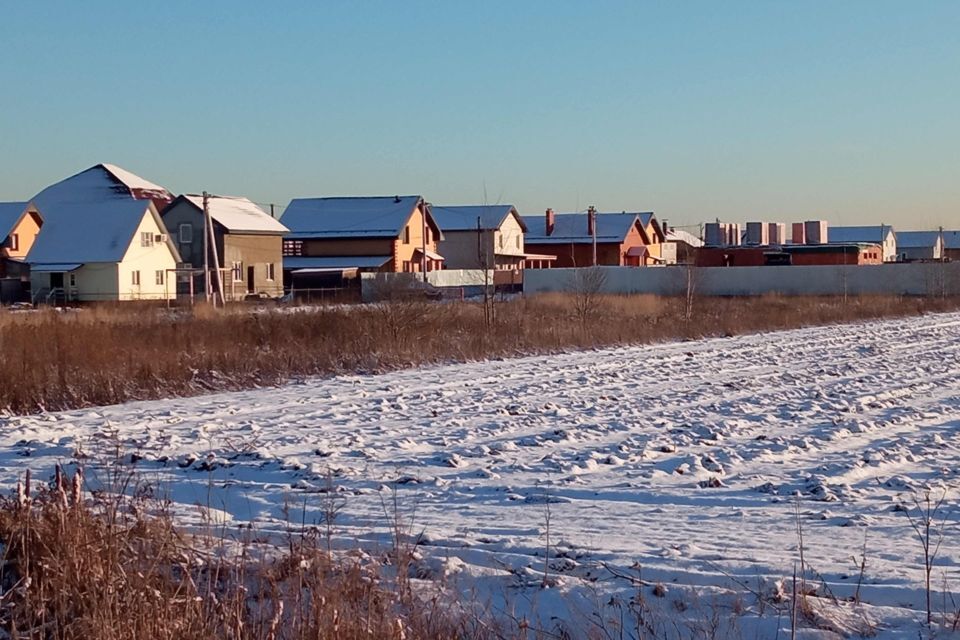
[{"x": 676, "y": 462}]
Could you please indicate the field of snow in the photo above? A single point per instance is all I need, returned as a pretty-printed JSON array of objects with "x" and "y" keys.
[{"x": 677, "y": 463}]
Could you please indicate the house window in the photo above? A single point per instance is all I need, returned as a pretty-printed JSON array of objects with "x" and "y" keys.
[
  {"x": 406, "y": 234},
  {"x": 14, "y": 242},
  {"x": 427, "y": 236},
  {"x": 237, "y": 272},
  {"x": 406, "y": 266},
  {"x": 135, "y": 278},
  {"x": 518, "y": 242},
  {"x": 186, "y": 233},
  {"x": 146, "y": 239},
  {"x": 270, "y": 271},
  {"x": 73, "y": 280},
  {"x": 159, "y": 276}
]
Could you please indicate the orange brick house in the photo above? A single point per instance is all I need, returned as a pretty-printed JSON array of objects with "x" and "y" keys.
[
  {"x": 622, "y": 239},
  {"x": 385, "y": 234}
]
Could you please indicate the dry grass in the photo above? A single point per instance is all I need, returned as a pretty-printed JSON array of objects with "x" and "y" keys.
[
  {"x": 111, "y": 568},
  {"x": 53, "y": 360}
]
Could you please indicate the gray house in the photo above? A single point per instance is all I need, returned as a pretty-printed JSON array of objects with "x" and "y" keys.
[
  {"x": 919, "y": 245},
  {"x": 248, "y": 240},
  {"x": 481, "y": 237}
]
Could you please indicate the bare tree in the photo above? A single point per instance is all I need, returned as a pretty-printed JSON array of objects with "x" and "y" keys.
[{"x": 586, "y": 285}]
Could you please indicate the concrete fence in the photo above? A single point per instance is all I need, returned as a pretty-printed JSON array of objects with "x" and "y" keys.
[{"x": 919, "y": 279}]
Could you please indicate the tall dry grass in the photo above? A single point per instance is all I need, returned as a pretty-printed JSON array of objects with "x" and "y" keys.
[
  {"x": 51, "y": 360},
  {"x": 75, "y": 567}
]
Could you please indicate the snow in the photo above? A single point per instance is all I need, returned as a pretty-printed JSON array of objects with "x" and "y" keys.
[
  {"x": 132, "y": 180},
  {"x": 676, "y": 463},
  {"x": 464, "y": 218},
  {"x": 239, "y": 214},
  {"x": 83, "y": 232},
  {"x": 572, "y": 227}
]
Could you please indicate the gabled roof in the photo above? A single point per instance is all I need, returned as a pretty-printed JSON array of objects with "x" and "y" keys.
[
  {"x": 90, "y": 232},
  {"x": 101, "y": 182},
  {"x": 10, "y": 215},
  {"x": 371, "y": 217},
  {"x": 571, "y": 228},
  {"x": 235, "y": 214},
  {"x": 951, "y": 239},
  {"x": 917, "y": 239},
  {"x": 679, "y": 235},
  {"x": 845, "y": 235},
  {"x": 464, "y": 218}
]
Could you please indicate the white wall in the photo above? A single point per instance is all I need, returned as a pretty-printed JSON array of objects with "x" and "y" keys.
[
  {"x": 896, "y": 279},
  {"x": 148, "y": 261}
]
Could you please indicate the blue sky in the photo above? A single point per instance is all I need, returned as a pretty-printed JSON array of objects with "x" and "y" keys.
[{"x": 696, "y": 110}]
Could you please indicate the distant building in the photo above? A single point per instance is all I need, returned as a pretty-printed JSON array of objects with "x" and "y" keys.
[
  {"x": 877, "y": 234},
  {"x": 481, "y": 237},
  {"x": 951, "y": 245},
  {"x": 389, "y": 234},
  {"x": 248, "y": 240},
  {"x": 680, "y": 247},
  {"x": 621, "y": 239},
  {"x": 102, "y": 239},
  {"x": 791, "y": 254},
  {"x": 919, "y": 245},
  {"x": 19, "y": 225}
]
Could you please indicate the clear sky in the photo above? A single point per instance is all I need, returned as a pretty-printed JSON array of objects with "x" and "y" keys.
[{"x": 740, "y": 110}]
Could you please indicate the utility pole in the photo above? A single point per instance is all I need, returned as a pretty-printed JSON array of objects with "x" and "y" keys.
[
  {"x": 206, "y": 246},
  {"x": 423, "y": 239},
  {"x": 592, "y": 217}
]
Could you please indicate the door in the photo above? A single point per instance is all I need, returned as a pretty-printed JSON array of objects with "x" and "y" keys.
[
  {"x": 56, "y": 281},
  {"x": 250, "y": 274}
]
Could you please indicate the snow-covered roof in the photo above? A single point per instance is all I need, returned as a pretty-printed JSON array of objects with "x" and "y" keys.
[
  {"x": 237, "y": 214},
  {"x": 679, "y": 235},
  {"x": 334, "y": 262},
  {"x": 100, "y": 182},
  {"x": 571, "y": 228},
  {"x": 917, "y": 239},
  {"x": 372, "y": 217},
  {"x": 89, "y": 232},
  {"x": 10, "y": 214},
  {"x": 845, "y": 235},
  {"x": 464, "y": 218}
]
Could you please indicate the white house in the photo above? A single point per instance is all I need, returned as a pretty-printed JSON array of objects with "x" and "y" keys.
[
  {"x": 102, "y": 239},
  {"x": 116, "y": 250}
]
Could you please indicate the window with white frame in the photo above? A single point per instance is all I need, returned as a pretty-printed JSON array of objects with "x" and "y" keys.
[
  {"x": 146, "y": 238},
  {"x": 237, "y": 271},
  {"x": 186, "y": 233},
  {"x": 159, "y": 276},
  {"x": 270, "y": 271},
  {"x": 14, "y": 242},
  {"x": 73, "y": 280},
  {"x": 135, "y": 278}
]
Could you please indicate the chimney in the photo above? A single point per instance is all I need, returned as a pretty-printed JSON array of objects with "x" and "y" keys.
[
  {"x": 664, "y": 227},
  {"x": 591, "y": 221},
  {"x": 551, "y": 220}
]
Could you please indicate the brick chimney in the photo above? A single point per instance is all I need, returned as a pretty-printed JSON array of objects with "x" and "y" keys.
[
  {"x": 551, "y": 221},
  {"x": 591, "y": 220}
]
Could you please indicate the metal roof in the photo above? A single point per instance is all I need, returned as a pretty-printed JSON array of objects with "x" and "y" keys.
[
  {"x": 334, "y": 262},
  {"x": 89, "y": 231},
  {"x": 917, "y": 239},
  {"x": 10, "y": 214},
  {"x": 54, "y": 267},
  {"x": 99, "y": 182},
  {"x": 236, "y": 214},
  {"x": 845, "y": 235},
  {"x": 571, "y": 228},
  {"x": 464, "y": 218},
  {"x": 372, "y": 217},
  {"x": 951, "y": 239}
]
